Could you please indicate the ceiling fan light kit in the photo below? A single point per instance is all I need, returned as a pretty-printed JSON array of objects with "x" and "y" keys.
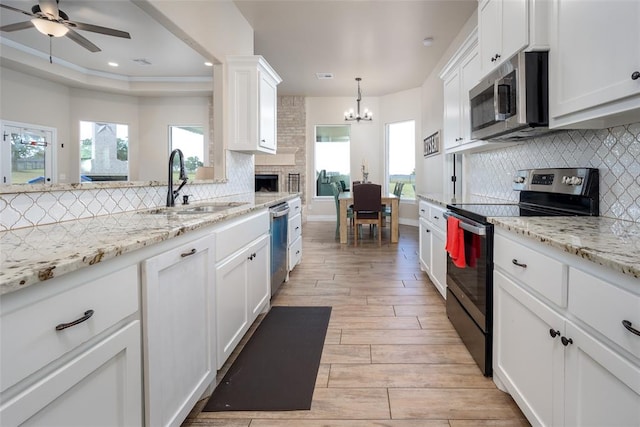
[
  {"x": 53, "y": 22},
  {"x": 356, "y": 116},
  {"x": 49, "y": 28}
]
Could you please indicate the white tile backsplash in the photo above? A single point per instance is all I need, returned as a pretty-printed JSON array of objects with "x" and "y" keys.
[
  {"x": 614, "y": 151},
  {"x": 27, "y": 209}
]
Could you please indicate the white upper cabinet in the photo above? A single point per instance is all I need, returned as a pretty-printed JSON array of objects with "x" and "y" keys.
[
  {"x": 459, "y": 76},
  {"x": 504, "y": 30},
  {"x": 251, "y": 113},
  {"x": 507, "y": 26},
  {"x": 594, "y": 57}
]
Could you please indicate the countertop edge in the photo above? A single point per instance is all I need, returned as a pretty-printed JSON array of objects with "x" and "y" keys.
[{"x": 48, "y": 270}]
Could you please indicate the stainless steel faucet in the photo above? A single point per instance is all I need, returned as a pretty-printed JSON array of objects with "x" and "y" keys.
[{"x": 171, "y": 193}]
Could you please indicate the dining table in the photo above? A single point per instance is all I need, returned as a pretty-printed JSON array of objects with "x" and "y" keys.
[{"x": 346, "y": 198}]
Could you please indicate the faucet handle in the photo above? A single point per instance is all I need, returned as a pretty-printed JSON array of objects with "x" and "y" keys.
[{"x": 185, "y": 199}]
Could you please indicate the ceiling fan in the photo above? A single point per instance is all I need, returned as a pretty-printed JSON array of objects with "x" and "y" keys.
[{"x": 51, "y": 21}]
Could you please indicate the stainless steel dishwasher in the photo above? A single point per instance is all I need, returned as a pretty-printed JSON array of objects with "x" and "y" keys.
[{"x": 279, "y": 228}]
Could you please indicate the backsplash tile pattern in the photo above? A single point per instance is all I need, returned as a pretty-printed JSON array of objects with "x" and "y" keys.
[
  {"x": 18, "y": 210},
  {"x": 614, "y": 151}
]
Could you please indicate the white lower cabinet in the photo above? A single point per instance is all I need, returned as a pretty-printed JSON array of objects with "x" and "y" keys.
[
  {"x": 87, "y": 373},
  {"x": 99, "y": 387},
  {"x": 601, "y": 387},
  {"x": 562, "y": 364},
  {"x": 294, "y": 233},
  {"x": 179, "y": 337},
  {"x": 527, "y": 358},
  {"x": 433, "y": 257},
  {"x": 242, "y": 282}
]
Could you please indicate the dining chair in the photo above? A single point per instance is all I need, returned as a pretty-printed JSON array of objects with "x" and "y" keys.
[
  {"x": 335, "y": 189},
  {"x": 367, "y": 208},
  {"x": 386, "y": 210}
]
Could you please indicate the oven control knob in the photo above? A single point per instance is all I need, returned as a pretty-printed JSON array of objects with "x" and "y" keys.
[
  {"x": 575, "y": 180},
  {"x": 565, "y": 179},
  {"x": 519, "y": 180}
]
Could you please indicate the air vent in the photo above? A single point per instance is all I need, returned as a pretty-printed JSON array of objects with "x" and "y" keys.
[
  {"x": 142, "y": 61},
  {"x": 324, "y": 76}
]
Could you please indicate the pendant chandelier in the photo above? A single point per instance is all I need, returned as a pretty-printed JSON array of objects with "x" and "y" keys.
[{"x": 350, "y": 115}]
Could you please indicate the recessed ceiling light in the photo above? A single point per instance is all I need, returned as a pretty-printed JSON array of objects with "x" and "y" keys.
[
  {"x": 113, "y": 64},
  {"x": 428, "y": 41},
  {"x": 208, "y": 64},
  {"x": 324, "y": 76}
]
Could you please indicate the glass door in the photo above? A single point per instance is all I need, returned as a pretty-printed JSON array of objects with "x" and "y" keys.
[{"x": 27, "y": 154}]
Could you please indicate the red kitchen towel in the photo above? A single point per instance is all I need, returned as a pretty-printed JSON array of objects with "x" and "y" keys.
[
  {"x": 475, "y": 250},
  {"x": 455, "y": 242}
]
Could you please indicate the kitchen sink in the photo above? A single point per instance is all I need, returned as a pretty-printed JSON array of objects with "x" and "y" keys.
[{"x": 194, "y": 210}]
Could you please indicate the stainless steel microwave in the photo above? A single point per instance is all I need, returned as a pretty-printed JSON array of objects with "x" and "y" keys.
[{"x": 512, "y": 103}]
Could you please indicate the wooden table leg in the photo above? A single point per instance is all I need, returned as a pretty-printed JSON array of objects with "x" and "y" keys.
[
  {"x": 395, "y": 213},
  {"x": 344, "y": 225}
]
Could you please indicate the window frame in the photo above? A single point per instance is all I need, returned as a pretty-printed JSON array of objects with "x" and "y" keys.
[
  {"x": 316, "y": 169},
  {"x": 387, "y": 155}
]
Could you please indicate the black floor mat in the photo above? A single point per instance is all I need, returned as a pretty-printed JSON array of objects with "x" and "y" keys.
[{"x": 277, "y": 368}]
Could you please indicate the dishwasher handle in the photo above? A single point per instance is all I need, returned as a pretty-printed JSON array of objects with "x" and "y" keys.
[
  {"x": 468, "y": 225},
  {"x": 279, "y": 210}
]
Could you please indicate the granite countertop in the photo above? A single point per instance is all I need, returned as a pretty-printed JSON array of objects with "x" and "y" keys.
[
  {"x": 448, "y": 199},
  {"x": 605, "y": 241},
  {"x": 35, "y": 254}
]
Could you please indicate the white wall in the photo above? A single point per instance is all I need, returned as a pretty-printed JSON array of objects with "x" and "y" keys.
[
  {"x": 367, "y": 140},
  {"x": 366, "y": 143},
  {"x": 399, "y": 107},
  {"x": 95, "y": 106},
  {"x": 33, "y": 100},
  {"x": 36, "y": 101},
  {"x": 155, "y": 117},
  {"x": 430, "y": 171},
  {"x": 217, "y": 26}
]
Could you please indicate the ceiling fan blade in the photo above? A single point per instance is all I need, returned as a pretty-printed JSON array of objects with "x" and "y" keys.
[
  {"x": 16, "y": 10},
  {"x": 17, "y": 26},
  {"x": 82, "y": 41},
  {"x": 99, "y": 29},
  {"x": 49, "y": 8}
]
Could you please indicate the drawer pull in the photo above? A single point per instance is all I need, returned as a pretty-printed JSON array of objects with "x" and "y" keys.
[
  {"x": 87, "y": 315},
  {"x": 435, "y": 217},
  {"x": 630, "y": 328},
  {"x": 515, "y": 262},
  {"x": 186, "y": 254},
  {"x": 554, "y": 333},
  {"x": 566, "y": 341}
]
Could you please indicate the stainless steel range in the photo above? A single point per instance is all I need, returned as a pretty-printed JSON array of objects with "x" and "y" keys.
[{"x": 543, "y": 192}]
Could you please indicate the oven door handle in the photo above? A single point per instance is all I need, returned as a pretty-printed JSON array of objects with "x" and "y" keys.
[{"x": 468, "y": 225}]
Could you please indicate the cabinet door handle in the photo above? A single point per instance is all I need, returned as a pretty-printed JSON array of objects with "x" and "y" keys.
[
  {"x": 519, "y": 264},
  {"x": 435, "y": 217},
  {"x": 554, "y": 333},
  {"x": 87, "y": 315},
  {"x": 186, "y": 254},
  {"x": 422, "y": 210},
  {"x": 627, "y": 324},
  {"x": 427, "y": 230},
  {"x": 635, "y": 75},
  {"x": 566, "y": 341}
]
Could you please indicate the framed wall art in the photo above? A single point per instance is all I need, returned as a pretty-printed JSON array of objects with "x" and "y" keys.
[{"x": 432, "y": 144}]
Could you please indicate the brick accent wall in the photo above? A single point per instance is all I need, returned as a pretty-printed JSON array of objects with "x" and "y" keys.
[{"x": 291, "y": 134}]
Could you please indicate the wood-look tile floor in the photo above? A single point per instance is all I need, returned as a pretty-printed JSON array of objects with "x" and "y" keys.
[{"x": 391, "y": 357}]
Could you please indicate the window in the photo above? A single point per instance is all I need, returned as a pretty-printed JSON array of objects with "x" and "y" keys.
[
  {"x": 401, "y": 159},
  {"x": 27, "y": 153},
  {"x": 332, "y": 158},
  {"x": 189, "y": 140},
  {"x": 104, "y": 152}
]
